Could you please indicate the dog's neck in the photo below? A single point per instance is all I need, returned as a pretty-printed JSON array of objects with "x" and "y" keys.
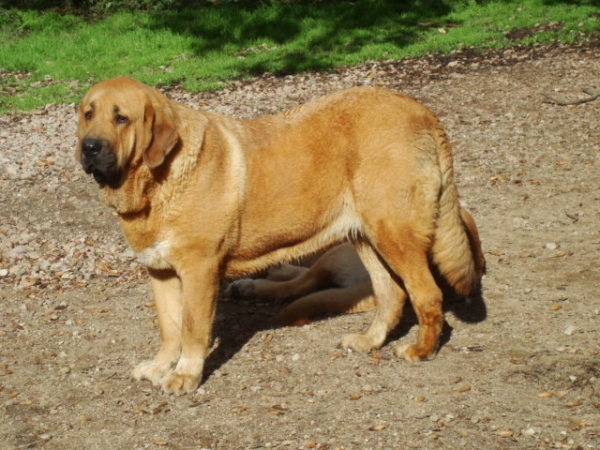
[{"x": 162, "y": 184}]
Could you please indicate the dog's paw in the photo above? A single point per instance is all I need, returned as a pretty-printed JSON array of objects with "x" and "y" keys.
[
  {"x": 358, "y": 342},
  {"x": 185, "y": 379},
  {"x": 150, "y": 371},
  {"x": 413, "y": 353},
  {"x": 243, "y": 288},
  {"x": 180, "y": 383}
]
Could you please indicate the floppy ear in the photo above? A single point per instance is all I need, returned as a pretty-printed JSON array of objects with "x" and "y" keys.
[{"x": 162, "y": 135}]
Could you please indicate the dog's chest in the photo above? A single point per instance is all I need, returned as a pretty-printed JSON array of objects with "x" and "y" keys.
[{"x": 155, "y": 256}]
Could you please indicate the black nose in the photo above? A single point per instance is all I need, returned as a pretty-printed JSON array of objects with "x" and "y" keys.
[{"x": 91, "y": 147}]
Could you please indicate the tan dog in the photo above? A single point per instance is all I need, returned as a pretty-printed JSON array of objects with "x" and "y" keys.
[{"x": 202, "y": 197}]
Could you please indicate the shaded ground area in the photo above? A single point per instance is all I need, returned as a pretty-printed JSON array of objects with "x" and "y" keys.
[{"x": 77, "y": 313}]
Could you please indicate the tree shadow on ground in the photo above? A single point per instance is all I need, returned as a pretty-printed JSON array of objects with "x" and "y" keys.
[{"x": 302, "y": 35}]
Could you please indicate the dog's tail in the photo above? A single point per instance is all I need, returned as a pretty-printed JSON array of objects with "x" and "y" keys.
[
  {"x": 346, "y": 300},
  {"x": 456, "y": 250}
]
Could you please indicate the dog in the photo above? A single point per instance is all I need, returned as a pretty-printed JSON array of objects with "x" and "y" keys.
[
  {"x": 202, "y": 198},
  {"x": 330, "y": 282}
]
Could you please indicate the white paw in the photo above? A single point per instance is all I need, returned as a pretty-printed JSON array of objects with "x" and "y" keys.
[
  {"x": 180, "y": 383},
  {"x": 151, "y": 371},
  {"x": 358, "y": 342},
  {"x": 185, "y": 379}
]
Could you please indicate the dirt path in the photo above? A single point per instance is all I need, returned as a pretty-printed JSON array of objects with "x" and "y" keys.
[{"x": 521, "y": 371}]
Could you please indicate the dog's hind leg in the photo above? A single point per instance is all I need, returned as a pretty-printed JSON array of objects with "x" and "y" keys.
[
  {"x": 343, "y": 300},
  {"x": 285, "y": 272},
  {"x": 407, "y": 257},
  {"x": 308, "y": 281},
  {"x": 389, "y": 301}
]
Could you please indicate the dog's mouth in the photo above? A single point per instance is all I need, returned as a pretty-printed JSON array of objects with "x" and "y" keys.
[
  {"x": 104, "y": 177},
  {"x": 98, "y": 160},
  {"x": 99, "y": 177}
]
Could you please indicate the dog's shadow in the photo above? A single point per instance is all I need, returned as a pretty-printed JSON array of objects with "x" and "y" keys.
[
  {"x": 467, "y": 310},
  {"x": 238, "y": 321}
]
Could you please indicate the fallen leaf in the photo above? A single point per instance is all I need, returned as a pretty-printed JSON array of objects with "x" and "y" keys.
[
  {"x": 380, "y": 427},
  {"x": 476, "y": 348},
  {"x": 506, "y": 433},
  {"x": 336, "y": 356},
  {"x": 546, "y": 395}
]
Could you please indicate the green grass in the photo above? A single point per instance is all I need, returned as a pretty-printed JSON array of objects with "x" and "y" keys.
[{"x": 50, "y": 57}]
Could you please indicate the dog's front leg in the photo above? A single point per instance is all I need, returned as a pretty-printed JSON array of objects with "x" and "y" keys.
[
  {"x": 199, "y": 282},
  {"x": 166, "y": 287}
]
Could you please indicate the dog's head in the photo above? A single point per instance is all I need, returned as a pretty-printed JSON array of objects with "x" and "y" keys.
[{"x": 123, "y": 124}]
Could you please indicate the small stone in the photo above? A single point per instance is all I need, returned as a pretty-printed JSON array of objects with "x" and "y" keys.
[{"x": 570, "y": 330}]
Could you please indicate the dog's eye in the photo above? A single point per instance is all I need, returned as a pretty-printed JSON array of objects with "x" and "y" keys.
[
  {"x": 88, "y": 116},
  {"x": 121, "y": 120}
]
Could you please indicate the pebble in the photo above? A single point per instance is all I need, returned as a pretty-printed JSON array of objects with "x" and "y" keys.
[{"x": 570, "y": 330}]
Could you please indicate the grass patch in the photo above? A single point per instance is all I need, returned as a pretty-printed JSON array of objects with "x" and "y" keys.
[{"x": 53, "y": 57}]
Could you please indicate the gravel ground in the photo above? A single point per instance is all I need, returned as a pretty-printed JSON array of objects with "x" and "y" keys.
[{"x": 520, "y": 370}]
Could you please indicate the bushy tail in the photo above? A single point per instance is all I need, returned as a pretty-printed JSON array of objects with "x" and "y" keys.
[
  {"x": 456, "y": 249},
  {"x": 346, "y": 300}
]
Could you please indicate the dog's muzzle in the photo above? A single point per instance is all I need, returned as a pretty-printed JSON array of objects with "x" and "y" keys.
[{"x": 98, "y": 159}]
